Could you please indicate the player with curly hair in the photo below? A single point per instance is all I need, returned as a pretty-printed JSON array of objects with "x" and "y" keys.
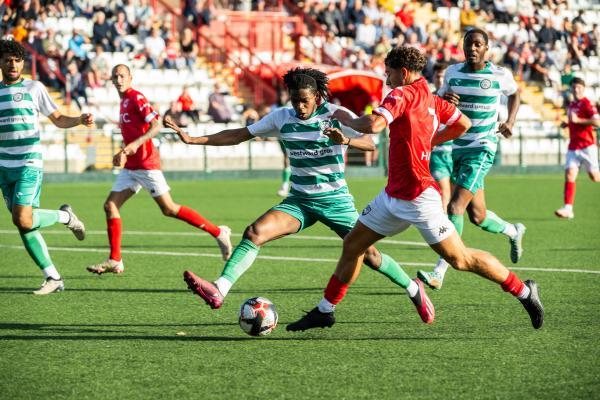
[
  {"x": 315, "y": 144},
  {"x": 411, "y": 196},
  {"x": 21, "y": 163}
]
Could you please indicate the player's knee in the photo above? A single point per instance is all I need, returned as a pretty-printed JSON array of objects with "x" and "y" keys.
[
  {"x": 455, "y": 209},
  {"x": 372, "y": 258},
  {"x": 476, "y": 217},
  {"x": 252, "y": 233},
  {"x": 459, "y": 261},
  {"x": 22, "y": 222},
  {"x": 110, "y": 207},
  {"x": 169, "y": 211}
]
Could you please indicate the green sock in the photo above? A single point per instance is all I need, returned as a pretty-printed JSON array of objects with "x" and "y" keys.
[
  {"x": 493, "y": 223},
  {"x": 36, "y": 247},
  {"x": 393, "y": 271},
  {"x": 242, "y": 258},
  {"x": 286, "y": 174},
  {"x": 44, "y": 218},
  {"x": 458, "y": 220}
]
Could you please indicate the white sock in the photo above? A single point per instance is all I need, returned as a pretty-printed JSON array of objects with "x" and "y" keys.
[
  {"x": 285, "y": 186},
  {"x": 510, "y": 231},
  {"x": 224, "y": 285},
  {"x": 412, "y": 289},
  {"x": 325, "y": 306},
  {"x": 63, "y": 217},
  {"x": 51, "y": 272},
  {"x": 569, "y": 207},
  {"x": 524, "y": 293},
  {"x": 441, "y": 267}
]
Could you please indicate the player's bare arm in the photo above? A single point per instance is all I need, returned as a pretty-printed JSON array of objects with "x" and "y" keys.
[
  {"x": 451, "y": 132},
  {"x": 514, "y": 101},
  {"x": 227, "y": 137},
  {"x": 63, "y": 121},
  {"x": 371, "y": 123},
  {"x": 132, "y": 147},
  {"x": 585, "y": 121},
  {"x": 364, "y": 143}
]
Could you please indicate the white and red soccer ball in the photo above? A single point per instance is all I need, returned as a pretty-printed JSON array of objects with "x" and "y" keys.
[{"x": 258, "y": 316}]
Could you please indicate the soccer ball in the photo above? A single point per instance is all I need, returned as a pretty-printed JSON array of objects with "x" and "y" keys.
[{"x": 258, "y": 316}]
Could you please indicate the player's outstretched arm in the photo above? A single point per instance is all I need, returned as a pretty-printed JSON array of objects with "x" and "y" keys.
[
  {"x": 63, "y": 121},
  {"x": 371, "y": 123},
  {"x": 364, "y": 143},
  {"x": 227, "y": 137},
  {"x": 451, "y": 132}
]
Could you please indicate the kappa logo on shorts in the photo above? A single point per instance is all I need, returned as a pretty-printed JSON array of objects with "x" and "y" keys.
[
  {"x": 152, "y": 191},
  {"x": 443, "y": 229},
  {"x": 366, "y": 210},
  {"x": 18, "y": 195}
]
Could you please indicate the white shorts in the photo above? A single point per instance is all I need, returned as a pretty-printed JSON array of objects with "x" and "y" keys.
[
  {"x": 389, "y": 216},
  {"x": 152, "y": 180},
  {"x": 588, "y": 156}
]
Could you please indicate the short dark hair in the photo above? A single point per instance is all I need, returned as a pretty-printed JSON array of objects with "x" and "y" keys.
[
  {"x": 9, "y": 47},
  {"x": 308, "y": 78},
  {"x": 406, "y": 57},
  {"x": 480, "y": 31},
  {"x": 577, "y": 81},
  {"x": 441, "y": 66}
]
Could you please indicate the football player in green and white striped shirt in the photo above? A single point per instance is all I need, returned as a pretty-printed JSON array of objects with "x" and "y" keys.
[
  {"x": 315, "y": 145},
  {"x": 475, "y": 87},
  {"x": 21, "y": 165}
]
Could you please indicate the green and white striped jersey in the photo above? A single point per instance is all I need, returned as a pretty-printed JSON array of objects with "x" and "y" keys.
[
  {"x": 480, "y": 93},
  {"x": 20, "y": 106},
  {"x": 317, "y": 163}
]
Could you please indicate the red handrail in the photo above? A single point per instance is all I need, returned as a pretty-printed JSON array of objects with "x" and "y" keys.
[{"x": 43, "y": 60}]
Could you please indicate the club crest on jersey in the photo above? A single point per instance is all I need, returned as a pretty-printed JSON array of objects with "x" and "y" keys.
[
  {"x": 125, "y": 103},
  {"x": 325, "y": 124},
  {"x": 485, "y": 84},
  {"x": 17, "y": 97}
]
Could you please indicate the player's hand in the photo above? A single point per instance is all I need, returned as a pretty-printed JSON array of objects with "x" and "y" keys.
[
  {"x": 452, "y": 98},
  {"x": 169, "y": 123},
  {"x": 130, "y": 149},
  {"x": 336, "y": 135},
  {"x": 86, "y": 119},
  {"x": 505, "y": 129},
  {"x": 563, "y": 125},
  {"x": 343, "y": 116},
  {"x": 119, "y": 159},
  {"x": 574, "y": 118}
]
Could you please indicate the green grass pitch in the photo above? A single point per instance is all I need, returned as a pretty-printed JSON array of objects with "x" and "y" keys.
[{"x": 142, "y": 335}]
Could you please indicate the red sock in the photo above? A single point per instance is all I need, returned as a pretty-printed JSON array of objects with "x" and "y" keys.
[
  {"x": 569, "y": 192},
  {"x": 335, "y": 290},
  {"x": 193, "y": 218},
  {"x": 113, "y": 227},
  {"x": 513, "y": 284}
]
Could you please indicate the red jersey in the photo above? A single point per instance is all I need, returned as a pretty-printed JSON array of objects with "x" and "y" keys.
[
  {"x": 134, "y": 120},
  {"x": 581, "y": 136},
  {"x": 413, "y": 115}
]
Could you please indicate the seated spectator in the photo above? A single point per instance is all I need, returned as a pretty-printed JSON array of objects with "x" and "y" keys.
[
  {"x": 173, "y": 58},
  {"x": 76, "y": 44},
  {"x": 187, "y": 105},
  {"x": 354, "y": 16},
  {"x": 547, "y": 35},
  {"x": 189, "y": 48},
  {"x": 332, "y": 48},
  {"x": 175, "y": 113},
  {"x": 468, "y": 17},
  {"x": 101, "y": 31},
  {"x": 332, "y": 19},
  {"x": 75, "y": 85},
  {"x": 366, "y": 34},
  {"x": 99, "y": 68},
  {"x": 540, "y": 69},
  {"x": 218, "y": 109},
  {"x": 154, "y": 49},
  {"x": 119, "y": 32},
  {"x": 19, "y": 32}
]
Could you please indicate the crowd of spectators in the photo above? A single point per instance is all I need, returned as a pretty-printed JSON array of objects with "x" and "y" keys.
[
  {"x": 543, "y": 40},
  {"x": 540, "y": 41}
]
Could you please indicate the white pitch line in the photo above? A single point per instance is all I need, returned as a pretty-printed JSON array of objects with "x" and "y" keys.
[
  {"x": 279, "y": 258},
  {"x": 144, "y": 233}
]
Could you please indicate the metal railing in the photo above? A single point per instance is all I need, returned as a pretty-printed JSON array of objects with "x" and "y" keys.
[{"x": 77, "y": 151}]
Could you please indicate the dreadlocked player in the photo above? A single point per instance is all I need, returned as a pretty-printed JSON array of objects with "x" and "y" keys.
[{"x": 315, "y": 145}]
